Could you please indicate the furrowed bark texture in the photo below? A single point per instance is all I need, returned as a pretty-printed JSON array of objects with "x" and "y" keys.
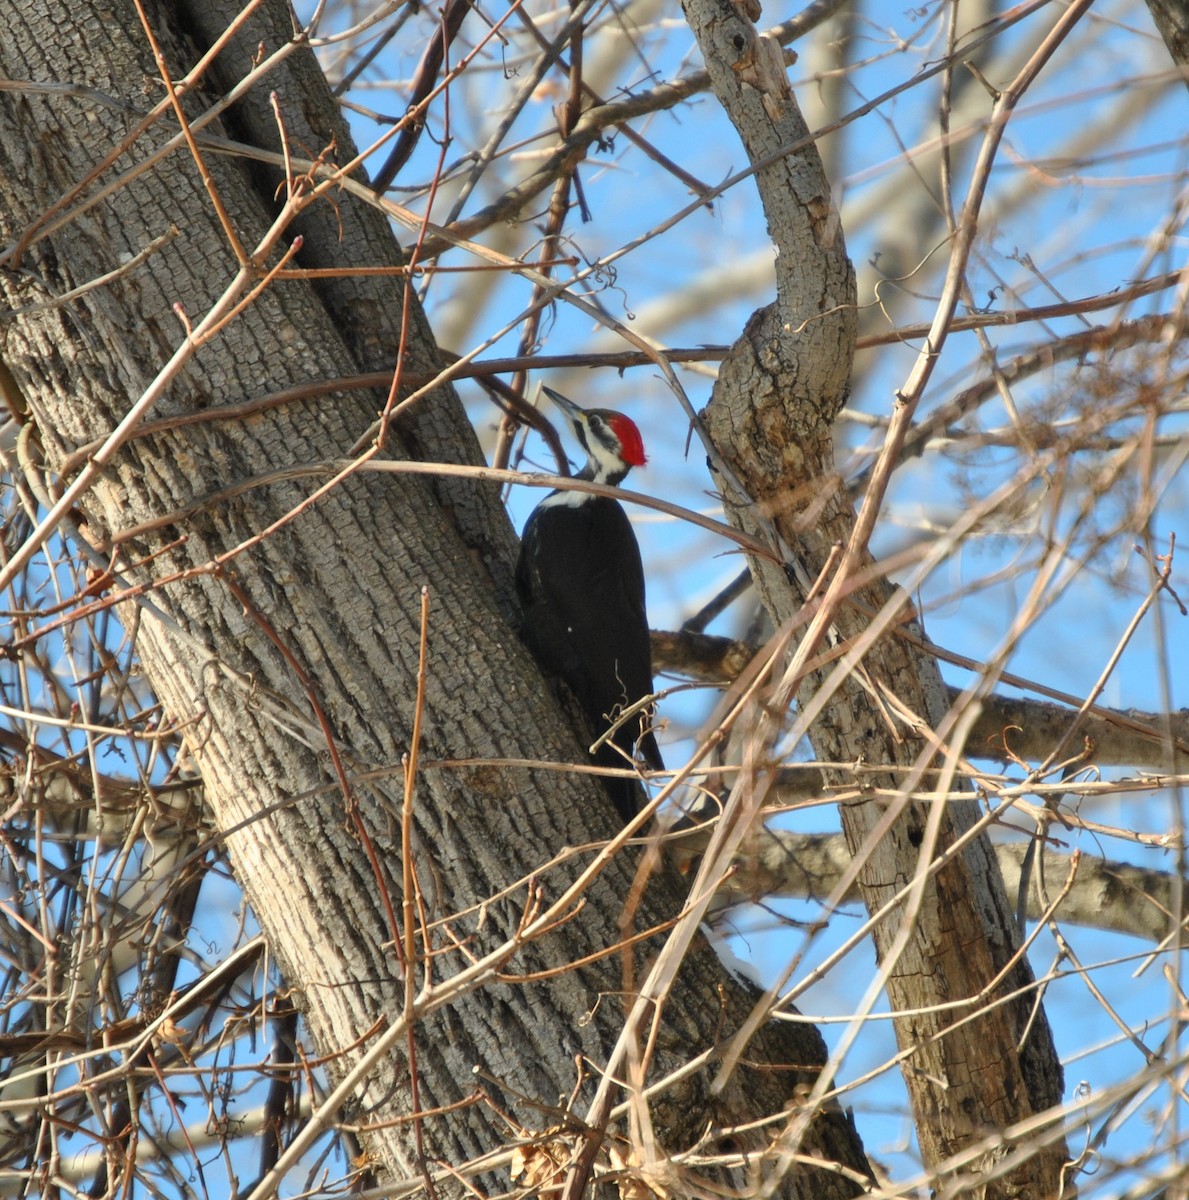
[
  {"x": 975, "y": 1066},
  {"x": 1172, "y": 23},
  {"x": 338, "y": 588}
]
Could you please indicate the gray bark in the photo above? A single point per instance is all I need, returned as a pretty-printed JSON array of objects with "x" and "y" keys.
[
  {"x": 1172, "y": 23},
  {"x": 269, "y": 656},
  {"x": 968, "y": 1068}
]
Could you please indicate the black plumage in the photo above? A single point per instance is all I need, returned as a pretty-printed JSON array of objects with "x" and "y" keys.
[{"x": 581, "y": 585}]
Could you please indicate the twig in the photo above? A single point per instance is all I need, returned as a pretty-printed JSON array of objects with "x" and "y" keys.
[
  {"x": 719, "y": 604},
  {"x": 423, "y": 85},
  {"x": 409, "y": 887},
  {"x": 175, "y": 100}
]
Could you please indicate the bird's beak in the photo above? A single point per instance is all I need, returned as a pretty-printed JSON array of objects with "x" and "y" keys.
[{"x": 573, "y": 412}]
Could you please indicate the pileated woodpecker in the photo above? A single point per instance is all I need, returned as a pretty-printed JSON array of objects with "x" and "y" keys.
[{"x": 581, "y": 585}]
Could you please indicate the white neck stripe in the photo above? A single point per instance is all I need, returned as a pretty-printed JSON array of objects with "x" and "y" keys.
[{"x": 565, "y": 498}]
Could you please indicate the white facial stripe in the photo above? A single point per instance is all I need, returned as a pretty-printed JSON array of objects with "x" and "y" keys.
[{"x": 604, "y": 450}]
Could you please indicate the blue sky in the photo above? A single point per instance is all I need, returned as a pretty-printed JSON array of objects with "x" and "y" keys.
[{"x": 1085, "y": 198}]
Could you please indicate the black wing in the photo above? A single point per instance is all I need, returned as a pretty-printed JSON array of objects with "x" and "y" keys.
[{"x": 581, "y": 584}]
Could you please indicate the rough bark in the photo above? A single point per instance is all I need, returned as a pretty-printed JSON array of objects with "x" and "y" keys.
[
  {"x": 972, "y": 1068},
  {"x": 1172, "y": 23},
  {"x": 307, "y": 639}
]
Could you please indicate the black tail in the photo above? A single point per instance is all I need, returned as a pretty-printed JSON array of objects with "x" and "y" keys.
[{"x": 628, "y": 795}]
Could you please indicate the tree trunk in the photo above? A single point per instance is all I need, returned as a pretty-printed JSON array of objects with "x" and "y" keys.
[
  {"x": 1172, "y": 23},
  {"x": 283, "y": 637},
  {"x": 976, "y": 1060}
]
